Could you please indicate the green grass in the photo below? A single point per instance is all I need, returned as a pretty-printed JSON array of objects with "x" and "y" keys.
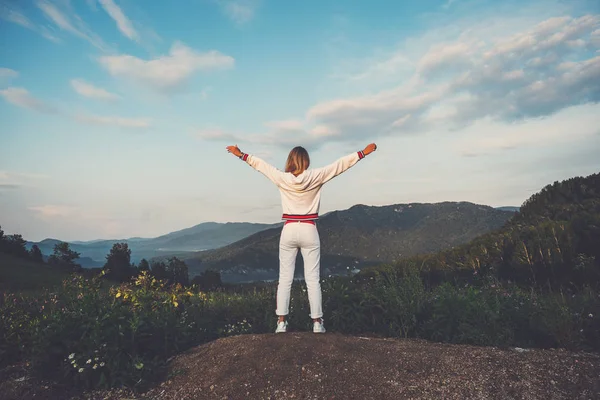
[{"x": 23, "y": 275}]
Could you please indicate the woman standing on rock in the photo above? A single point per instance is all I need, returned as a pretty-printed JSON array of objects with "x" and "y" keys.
[{"x": 300, "y": 190}]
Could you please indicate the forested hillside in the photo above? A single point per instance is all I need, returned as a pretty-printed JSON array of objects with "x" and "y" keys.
[
  {"x": 357, "y": 237},
  {"x": 553, "y": 241}
]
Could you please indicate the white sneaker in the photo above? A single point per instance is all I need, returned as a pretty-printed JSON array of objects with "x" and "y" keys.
[
  {"x": 281, "y": 327},
  {"x": 318, "y": 327}
]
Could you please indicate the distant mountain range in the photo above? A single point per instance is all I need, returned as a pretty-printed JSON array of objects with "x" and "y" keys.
[
  {"x": 204, "y": 236},
  {"x": 509, "y": 208},
  {"x": 191, "y": 243},
  {"x": 358, "y": 237}
]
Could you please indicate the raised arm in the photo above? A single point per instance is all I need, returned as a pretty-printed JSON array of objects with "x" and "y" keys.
[
  {"x": 258, "y": 164},
  {"x": 325, "y": 174}
]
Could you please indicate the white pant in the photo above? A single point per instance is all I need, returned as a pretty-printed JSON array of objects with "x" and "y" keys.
[{"x": 303, "y": 236}]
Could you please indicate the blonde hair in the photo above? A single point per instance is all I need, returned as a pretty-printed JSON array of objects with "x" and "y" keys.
[{"x": 297, "y": 161}]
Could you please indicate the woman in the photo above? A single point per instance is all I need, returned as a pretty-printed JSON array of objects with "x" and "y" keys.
[{"x": 300, "y": 190}]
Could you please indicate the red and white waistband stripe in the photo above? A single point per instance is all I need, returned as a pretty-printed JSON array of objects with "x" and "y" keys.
[
  {"x": 298, "y": 217},
  {"x": 308, "y": 221}
]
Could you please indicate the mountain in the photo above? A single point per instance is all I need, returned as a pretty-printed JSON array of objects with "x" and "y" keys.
[
  {"x": 552, "y": 242},
  {"x": 204, "y": 236},
  {"x": 357, "y": 237},
  {"x": 509, "y": 208}
]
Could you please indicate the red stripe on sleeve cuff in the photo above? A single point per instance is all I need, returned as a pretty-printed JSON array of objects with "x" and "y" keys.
[
  {"x": 361, "y": 155},
  {"x": 244, "y": 156}
]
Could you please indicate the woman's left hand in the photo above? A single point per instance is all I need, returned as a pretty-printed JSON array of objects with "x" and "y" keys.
[
  {"x": 234, "y": 150},
  {"x": 369, "y": 149}
]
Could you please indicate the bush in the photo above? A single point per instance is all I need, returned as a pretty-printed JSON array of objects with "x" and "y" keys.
[
  {"x": 396, "y": 301},
  {"x": 344, "y": 306},
  {"x": 468, "y": 315},
  {"x": 92, "y": 336}
]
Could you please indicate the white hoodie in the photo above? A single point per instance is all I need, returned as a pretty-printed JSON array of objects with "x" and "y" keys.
[{"x": 301, "y": 195}]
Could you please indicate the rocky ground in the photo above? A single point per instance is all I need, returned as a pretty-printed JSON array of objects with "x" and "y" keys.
[{"x": 333, "y": 366}]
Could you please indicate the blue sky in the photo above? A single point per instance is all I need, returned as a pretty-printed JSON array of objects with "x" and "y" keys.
[{"x": 116, "y": 113}]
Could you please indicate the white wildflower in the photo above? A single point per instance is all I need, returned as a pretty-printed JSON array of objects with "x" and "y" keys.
[
  {"x": 591, "y": 316},
  {"x": 80, "y": 370},
  {"x": 71, "y": 356},
  {"x": 89, "y": 361},
  {"x": 102, "y": 364},
  {"x": 95, "y": 366}
]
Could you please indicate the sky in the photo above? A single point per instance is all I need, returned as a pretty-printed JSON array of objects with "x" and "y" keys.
[{"x": 116, "y": 113}]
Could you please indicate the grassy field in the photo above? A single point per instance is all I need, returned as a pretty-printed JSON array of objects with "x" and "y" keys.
[{"x": 22, "y": 275}]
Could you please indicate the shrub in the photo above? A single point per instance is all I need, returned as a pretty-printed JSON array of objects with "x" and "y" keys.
[
  {"x": 93, "y": 336},
  {"x": 468, "y": 315},
  {"x": 396, "y": 301}
]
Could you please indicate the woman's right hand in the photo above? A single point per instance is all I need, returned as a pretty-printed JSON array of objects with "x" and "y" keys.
[
  {"x": 234, "y": 150},
  {"x": 369, "y": 149}
]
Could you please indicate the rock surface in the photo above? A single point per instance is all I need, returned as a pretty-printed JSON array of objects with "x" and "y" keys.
[{"x": 332, "y": 366}]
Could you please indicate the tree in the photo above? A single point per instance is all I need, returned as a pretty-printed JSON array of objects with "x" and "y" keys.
[
  {"x": 208, "y": 280},
  {"x": 36, "y": 254},
  {"x": 2, "y": 241},
  {"x": 15, "y": 244},
  {"x": 143, "y": 265},
  {"x": 177, "y": 271},
  {"x": 159, "y": 270},
  {"x": 64, "y": 257},
  {"x": 118, "y": 263}
]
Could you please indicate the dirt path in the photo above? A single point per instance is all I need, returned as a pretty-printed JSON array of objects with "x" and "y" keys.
[{"x": 332, "y": 366}]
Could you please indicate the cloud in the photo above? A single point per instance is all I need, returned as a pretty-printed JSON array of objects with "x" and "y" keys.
[
  {"x": 533, "y": 73},
  {"x": 16, "y": 180},
  {"x": 88, "y": 90},
  {"x": 123, "y": 23},
  {"x": 448, "y": 4},
  {"x": 239, "y": 11},
  {"x": 480, "y": 76},
  {"x": 166, "y": 73},
  {"x": 279, "y": 134},
  {"x": 56, "y": 16},
  {"x": 383, "y": 113},
  {"x": 322, "y": 131},
  {"x": 52, "y": 211},
  {"x": 16, "y": 17},
  {"x": 6, "y": 175},
  {"x": 595, "y": 39},
  {"x": 8, "y": 73},
  {"x": 218, "y": 134},
  {"x": 8, "y": 186},
  {"x": 114, "y": 121},
  {"x": 485, "y": 136},
  {"x": 386, "y": 67},
  {"x": 69, "y": 21},
  {"x": 204, "y": 93},
  {"x": 92, "y": 5},
  {"x": 21, "y": 97},
  {"x": 447, "y": 55},
  {"x": 286, "y": 125}
]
